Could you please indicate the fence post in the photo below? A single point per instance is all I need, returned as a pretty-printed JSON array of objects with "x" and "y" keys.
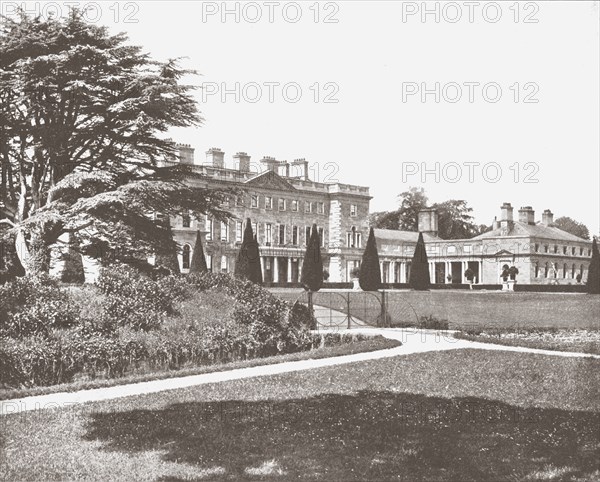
[
  {"x": 311, "y": 308},
  {"x": 348, "y": 309},
  {"x": 383, "y": 309}
]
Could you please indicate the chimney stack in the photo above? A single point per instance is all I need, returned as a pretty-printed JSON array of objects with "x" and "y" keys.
[
  {"x": 506, "y": 216},
  {"x": 215, "y": 157},
  {"x": 298, "y": 168},
  {"x": 242, "y": 160},
  {"x": 527, "y": 215},
  {"x": 186, "y": 153},
  {"x": 270, "y": 163},
  {"x": 547, "y": 217},
  {"x": 428, "y": 221}
]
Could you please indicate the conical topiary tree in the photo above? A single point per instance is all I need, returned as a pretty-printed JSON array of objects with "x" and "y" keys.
[
  {"x": 167, "y": 257},
  {"x": 419, "y": 268},
  {"x": 247, "y": 264},
  {"x": 593, "y": 279},
  {"x": 312, "y": 266},
  {"x": 370, "y": 271},
  {"x": 198, "y": 263}
]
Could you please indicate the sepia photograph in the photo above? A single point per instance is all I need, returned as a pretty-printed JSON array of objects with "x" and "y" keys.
[{"x": 300, "y": 240}]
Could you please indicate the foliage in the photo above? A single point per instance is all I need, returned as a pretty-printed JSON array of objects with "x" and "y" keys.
[
  {"x": 34, "y": 305},
  {"x": 419, "y": 268},
  {"x": 454, "y": 216},
  {"x": 571, "y": 226},
  {"x": 312, "y": 266},
  {"x": 138, "y": 301},
  {"x": 198, "y": 263},
  {"x": 593, "y": 280},
  {"x": 247, "y": 265},
  {"x": 370, "y": 271},
  {"x": 73, "y": 271},
  {"x": 166, "y": 256},
  {"x": 469, "y": 274},
  {"x": 82, "y": 121},
  {"x": 355, "y": 272},
  {"x": 513, "y": 271},
  {"x": 432, "y": 323}
]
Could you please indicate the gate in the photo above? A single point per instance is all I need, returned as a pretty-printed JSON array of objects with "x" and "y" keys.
[{"x": 335, "y": 310}]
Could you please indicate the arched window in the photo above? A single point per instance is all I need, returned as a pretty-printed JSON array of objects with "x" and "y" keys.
[{"x": 185, "y": 264}]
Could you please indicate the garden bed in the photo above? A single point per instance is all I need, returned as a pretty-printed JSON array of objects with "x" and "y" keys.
[{"x": 580, "y": 341}]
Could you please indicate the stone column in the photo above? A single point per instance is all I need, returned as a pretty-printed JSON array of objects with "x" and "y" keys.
[
  {"x": 275, "y": 269},
  {"x": 393, "y": 278},
  {"x": 448, "y": 272},
  {"x": 480, "y": 272},
  {"x": 289, "y": 271},
  {"x": 402, "y": 272}
]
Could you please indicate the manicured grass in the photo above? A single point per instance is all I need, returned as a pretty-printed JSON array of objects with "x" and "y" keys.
[
  {"x": 466, "y": 309},
  {"x": 580, "y": 341},
  {"x": 461, "y": 415},
  {"x": 361, "y": 343}
]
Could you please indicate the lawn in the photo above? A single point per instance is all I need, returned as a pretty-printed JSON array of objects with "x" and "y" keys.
[
  {"x": 459, "y": 415},
  {"x": 469, "y": 309}
]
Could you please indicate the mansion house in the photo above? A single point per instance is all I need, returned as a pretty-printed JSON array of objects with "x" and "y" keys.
[{"x": 283, "y": 203}]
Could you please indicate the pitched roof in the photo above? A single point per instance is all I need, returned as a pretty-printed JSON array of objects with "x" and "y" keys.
[
  {"x": 402, "y": 236},
  {"x": 534, "y": 231}
]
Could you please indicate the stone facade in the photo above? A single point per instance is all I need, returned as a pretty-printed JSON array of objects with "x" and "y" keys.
[
  {"x": 282, "y": 204},
  {"x": 542, "y": 252}
]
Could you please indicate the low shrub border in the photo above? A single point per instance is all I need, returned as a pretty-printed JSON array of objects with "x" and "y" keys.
[{"x": 326, "y": 345}]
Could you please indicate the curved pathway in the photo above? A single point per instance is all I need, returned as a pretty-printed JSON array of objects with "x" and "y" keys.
[{"x": 413, "y": 341}]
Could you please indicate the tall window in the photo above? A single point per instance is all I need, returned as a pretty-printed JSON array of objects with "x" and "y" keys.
[
  {"x": 223, "y": 264},
  {"x": 282, "y": 234},
  {"x": 185, "y": 262},
  {"x": 321, "y": 237},
  {"x": 186, "y": 221},
  {"x": 209, "y": 262},
  {"x": 255, "y": 229},
  {"x": 268, "y": 233},
  {"x": 209, "y": 227},
  {"x": 295, "y": 235},
  {"x": 353, "y": 210},
  {"x": 268, "y": 202},
  {"x": 295, "y": 205},
  {"x": 307, "y": 206},
  {"x": 320, "y": 208},
  {"x": 537, "y": 248},
  {"x": 307, "y": 235},
  {"x": 565, "y": 270},
  {"x": 573, "y": 270},
  {"x": 239, "y": 201},
  {"x": 555, "y": 249},
  {"x": 254, "y": 201},
  {"x": 224, "y": 231},
  {"x": 573, "y": 250},
  {"x": 359, "y": 240},
  {"x": 238, "y": 231},
  {"x": 281, "y": 204},
  {"x": 537, "y": 269},
  {"x": 564, "y": 250}
]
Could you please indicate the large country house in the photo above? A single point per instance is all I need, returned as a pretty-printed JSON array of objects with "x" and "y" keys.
[{"x": 283, "y": 202}]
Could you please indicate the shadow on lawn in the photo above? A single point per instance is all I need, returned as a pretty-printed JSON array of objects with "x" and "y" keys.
[{"x": 371, "y": 435}]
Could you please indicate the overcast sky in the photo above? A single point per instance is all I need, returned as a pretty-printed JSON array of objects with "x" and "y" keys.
[{"x": 361, "y": 68}]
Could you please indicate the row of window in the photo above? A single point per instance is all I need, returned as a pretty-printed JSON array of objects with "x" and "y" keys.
[
  {"x": 552, "y": 271},
  {"x": 280, "y": 234},
  {"x": 565, "y": 250}
]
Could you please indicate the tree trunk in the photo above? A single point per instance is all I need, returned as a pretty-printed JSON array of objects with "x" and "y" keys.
[{"x": 35, "y": 255}]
